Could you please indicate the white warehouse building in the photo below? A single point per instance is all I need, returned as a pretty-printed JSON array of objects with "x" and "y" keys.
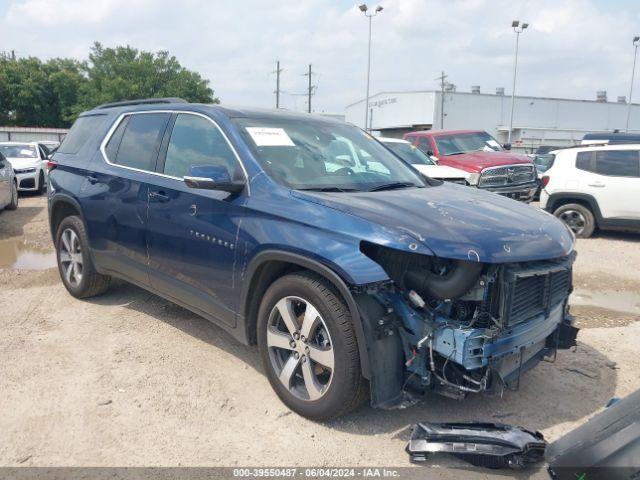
[{"x": 537, "y": 121}]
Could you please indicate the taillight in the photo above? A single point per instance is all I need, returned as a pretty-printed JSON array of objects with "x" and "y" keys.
[
  {"x": 51, "y": 165},
  {"x": 545, "y": 180}
]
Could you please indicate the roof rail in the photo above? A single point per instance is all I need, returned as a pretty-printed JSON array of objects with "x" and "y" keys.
[{"x": 142, "y": 101}]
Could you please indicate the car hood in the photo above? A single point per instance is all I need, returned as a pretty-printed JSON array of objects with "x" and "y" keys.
[
  {"x": 441, "y": 171},
  {"x": 475, "y": 162},
  {"x": 457, "y": 222},
  {"x": 23, "y": 162}
]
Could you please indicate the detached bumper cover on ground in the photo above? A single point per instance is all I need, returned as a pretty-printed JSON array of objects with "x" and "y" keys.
[{"x": 491, "y": 445}]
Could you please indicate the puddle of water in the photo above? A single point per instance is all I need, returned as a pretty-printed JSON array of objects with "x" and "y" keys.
[
  {"x": 17, "y": 255},
  {"x": 625, "y": 301}
]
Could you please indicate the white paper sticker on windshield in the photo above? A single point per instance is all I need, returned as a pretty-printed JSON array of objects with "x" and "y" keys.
[
  {"x": 270, "y": 137},
  {"x": 26, "y": 152}
]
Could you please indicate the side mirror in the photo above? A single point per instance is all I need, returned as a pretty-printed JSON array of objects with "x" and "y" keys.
[
  {"x": 430, "y": 153},
  {"x": 212, "y": 177},
  {"x": 506, "y": 146}
]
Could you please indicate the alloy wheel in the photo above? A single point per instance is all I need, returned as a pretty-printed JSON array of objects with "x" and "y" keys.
[
  {"x": 70, "y": 253},
  {"x": 300, "y": 348},
  {"x": 575, "y": 220}
]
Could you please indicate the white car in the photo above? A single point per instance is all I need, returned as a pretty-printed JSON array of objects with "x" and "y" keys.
[
  {"x": 423, "y": 163},
  {"x": 8, "y": 185},
  {"x": 29, "y": 163},
  {"x": 596, "y": 186}
]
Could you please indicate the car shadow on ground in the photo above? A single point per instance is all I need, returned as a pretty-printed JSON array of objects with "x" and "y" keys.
[{"x": 580, "y": 381}]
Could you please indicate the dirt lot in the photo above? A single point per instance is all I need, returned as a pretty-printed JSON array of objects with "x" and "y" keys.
[{"x": 130, "y": 379}]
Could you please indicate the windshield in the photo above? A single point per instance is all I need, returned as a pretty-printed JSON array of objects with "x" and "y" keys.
[
  {"x": 317, "y": 155},
  {"x": 466, "y": 142},
  {"x": 18, "y": 151},
  {"x": 409, "y": 153}
]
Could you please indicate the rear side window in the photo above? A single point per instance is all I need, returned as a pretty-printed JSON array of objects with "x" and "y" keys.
[
  {"x": 80, "y": 132},
  {"x": 196, "y": 141},
  {"x": 618, "y": 163},
  {"x": 140, "y": 141},
  {"x": 584, "y": 161},
  {"x": 114, "y": 142}
]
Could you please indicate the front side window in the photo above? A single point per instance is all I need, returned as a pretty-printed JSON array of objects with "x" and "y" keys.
[
  {"x": 318, "y": 155},
  {"x": 140, "y": 141},
  {"x": 618, "y": 163},
  {"x": 18, "y": 151},
  {"x": 410, "y": 153},
  {"x": 466, "y": 142},
  {"x": 196, "y": 141}
]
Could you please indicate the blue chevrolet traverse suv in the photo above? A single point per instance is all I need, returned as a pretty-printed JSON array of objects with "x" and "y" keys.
[{"x": 357, "y": 277}]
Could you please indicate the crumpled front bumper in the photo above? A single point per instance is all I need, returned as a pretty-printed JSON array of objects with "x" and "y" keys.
[
  {"x": 513, "y": 351},
  {"x": 524, "y": 192}
]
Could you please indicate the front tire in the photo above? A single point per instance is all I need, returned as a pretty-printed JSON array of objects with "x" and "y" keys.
[
  {"x": 14, "y": 196},
  {"x": 77, "y": 272},
  {"x": 308, "y": 347},
  {"x": 578, "y": 218}
]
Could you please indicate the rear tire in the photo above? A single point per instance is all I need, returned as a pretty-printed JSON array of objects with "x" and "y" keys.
[
  {"x": 578, "y": 218},
  {"x": 14, "y": 196},
  {"x": 309, "y": 386},
  {"x": 77, "y": 272},
  {"x": 42, "y": 184}
]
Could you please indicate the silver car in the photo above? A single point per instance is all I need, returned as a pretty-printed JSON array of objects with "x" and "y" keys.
[
  {"x": 8, "y": 185},
  {"x": 29, "y": 163}
]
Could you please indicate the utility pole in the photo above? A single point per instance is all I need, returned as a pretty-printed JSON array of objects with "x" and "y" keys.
[
  {"x": 518, "y": 28},
  {"x": 309, "y": 89},
  {"x": 277, "y": 92},
  {"x": 636, "y": 41},
  {"x": 364, "y": 9},
  {"x": 442, "y": 79}
]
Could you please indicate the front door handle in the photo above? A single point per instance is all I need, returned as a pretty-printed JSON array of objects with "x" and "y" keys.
[
  {"x": 159, "y": 197},
  {"x": 597, "y": 185}
]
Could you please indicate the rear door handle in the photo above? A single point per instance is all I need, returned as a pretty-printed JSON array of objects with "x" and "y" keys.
[
  {"x": 159, "y": 197},
  {"x": 597, "y": 185},
  {"x": 92, "y": 179}
]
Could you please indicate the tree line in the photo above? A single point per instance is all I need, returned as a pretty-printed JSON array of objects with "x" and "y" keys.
[{"x": 53, "y": 93}]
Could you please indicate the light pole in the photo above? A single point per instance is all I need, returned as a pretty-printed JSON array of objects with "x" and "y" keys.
[
  {"x": 518, "y": 28},
  {"x": 364, "y": 9},
  {"x": 636, "y": 41}
]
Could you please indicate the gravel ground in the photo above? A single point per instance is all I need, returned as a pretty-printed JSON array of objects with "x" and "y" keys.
[{"x": 129, "y": 379}]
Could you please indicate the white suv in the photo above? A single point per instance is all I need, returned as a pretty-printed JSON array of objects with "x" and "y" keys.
[{"x": 595, "y": 186}]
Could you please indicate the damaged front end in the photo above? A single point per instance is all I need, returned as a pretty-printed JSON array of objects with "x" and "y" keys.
[{"x": 458, "y": 327}]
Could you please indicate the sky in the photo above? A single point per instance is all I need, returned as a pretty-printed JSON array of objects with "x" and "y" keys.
[{"x": 572, "y": 48}]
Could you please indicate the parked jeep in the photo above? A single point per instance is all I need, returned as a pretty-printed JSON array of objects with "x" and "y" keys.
[
  {"x": 373, "y": 282},
  {"x": 490, "y": 166}
]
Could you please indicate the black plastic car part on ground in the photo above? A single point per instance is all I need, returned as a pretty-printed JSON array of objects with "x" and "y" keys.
[
  {"x": 490, "y": 445},
  {"x": 605, "y": 447}
]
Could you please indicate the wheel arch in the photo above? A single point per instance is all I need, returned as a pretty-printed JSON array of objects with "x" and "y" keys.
[
  {"x": 62, "y": 206},
  {"x": 269, "y": 265},
  {"x": 556, "y": 200}
]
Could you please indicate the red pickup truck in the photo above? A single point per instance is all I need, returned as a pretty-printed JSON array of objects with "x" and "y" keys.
[{"x": 490, "y": 166}]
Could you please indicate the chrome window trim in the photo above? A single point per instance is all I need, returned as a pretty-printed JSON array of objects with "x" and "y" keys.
[{"x": 121, "y": 117}]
